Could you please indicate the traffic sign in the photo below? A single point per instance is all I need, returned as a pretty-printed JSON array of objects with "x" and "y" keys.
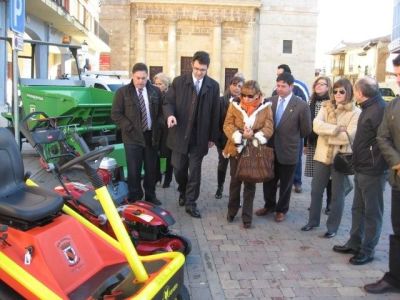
[
  {"x": 18, "y": 41},
  {"x": 17, "y": 15}
]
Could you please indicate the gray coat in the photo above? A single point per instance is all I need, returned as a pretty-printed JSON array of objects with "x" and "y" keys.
[
  {"x": 389, "y": 139},
  {"x": 295, "y": 124}
]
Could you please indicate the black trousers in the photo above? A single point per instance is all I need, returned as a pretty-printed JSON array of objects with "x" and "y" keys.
[
  {"x": 249, "y": 191},
  {"x": 222, "y": 167},
  {"x": 136, "y": 156},
  {"x": 285, "y": 175},
  {"x": 393, "y": 276},
  {"x": 187, "y": 170}
]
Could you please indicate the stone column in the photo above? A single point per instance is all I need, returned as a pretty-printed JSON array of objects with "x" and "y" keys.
[
  {"x": 141, "y": 41},
  {"x": 171, "y": 58},
  {"x": 216, "y": 62},
  {"x": 248, "y": 52}
]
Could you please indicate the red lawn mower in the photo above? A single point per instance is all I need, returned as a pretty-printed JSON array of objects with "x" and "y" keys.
[{"x": 147, "y": 224}]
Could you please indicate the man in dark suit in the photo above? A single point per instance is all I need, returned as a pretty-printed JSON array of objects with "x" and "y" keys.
[
  {"x": 292, "y": 121},
  {"x": 137, "y": 109},
  {"x": 192, "y": 112}
]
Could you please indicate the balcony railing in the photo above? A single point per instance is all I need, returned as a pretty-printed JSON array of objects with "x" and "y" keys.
[{"x": 77, "y": 9}]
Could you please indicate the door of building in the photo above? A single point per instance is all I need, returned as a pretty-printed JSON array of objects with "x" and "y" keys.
[
  {"x": 229, "y": 74},
  {"x": 186, "y": 65},
  {"x": 154, "y": 70}
]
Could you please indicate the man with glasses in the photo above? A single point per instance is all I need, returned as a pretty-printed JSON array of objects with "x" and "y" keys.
[
  {"x": 389, "y": 143},
  {"x": 292, "y": 121},
  {"x": 192, "y": 111}
]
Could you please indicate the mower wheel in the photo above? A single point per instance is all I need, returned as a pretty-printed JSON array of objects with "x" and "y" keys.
[
  {"x": 183, "y": 293},
  {"x": 187, "y": 245}
]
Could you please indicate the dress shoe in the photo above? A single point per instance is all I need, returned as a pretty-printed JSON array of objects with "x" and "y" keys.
[
  {"x": 218, "y": 193},
  {"x": 380, "y": 287},
  {"x": 279, "y": 217},
  {"x": 193, "y": 211},
  {"x": 229, "y": 218},
  {"x": 361, "y": 259},
  {"x": 246, "y": 225},
  {"x": 307, "y": 227},
  {"x": 263, "y": 211},
  {"x": 329, "y": 235},
  {"x": 297, "y": 188},
  {"x": 182, "y": 200},
  {"x": 344, "y": 249},
  {"x": 155, "y": 201}
]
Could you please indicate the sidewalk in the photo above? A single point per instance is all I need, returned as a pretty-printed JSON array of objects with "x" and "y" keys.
[{"x": 271, "y": 260}]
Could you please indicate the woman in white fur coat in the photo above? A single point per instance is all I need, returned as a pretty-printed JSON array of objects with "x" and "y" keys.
[{"x": 336, "y": 120}]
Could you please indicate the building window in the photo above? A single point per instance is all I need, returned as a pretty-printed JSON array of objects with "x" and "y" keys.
[{"x": 287, "y": 46}]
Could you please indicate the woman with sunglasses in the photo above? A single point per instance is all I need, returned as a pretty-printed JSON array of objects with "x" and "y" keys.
[
  {"x": 249, "y": 120},
  {"x": 232, "y": 92},
  {"x": 321, "y": 91},
  {"x": 336, "y": 120}
]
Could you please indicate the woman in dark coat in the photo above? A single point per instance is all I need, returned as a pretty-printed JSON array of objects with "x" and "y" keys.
[
  {"x": 232, "y": 92},
  {"x": 321, "y": 91}
]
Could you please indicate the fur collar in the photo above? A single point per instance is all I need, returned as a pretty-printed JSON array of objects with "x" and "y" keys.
[
  {"x": 249, "y": 120},
  {"x": 333, "y": 111}
]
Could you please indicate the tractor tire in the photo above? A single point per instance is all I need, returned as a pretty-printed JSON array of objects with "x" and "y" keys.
[{"x": 20, "y": 137}]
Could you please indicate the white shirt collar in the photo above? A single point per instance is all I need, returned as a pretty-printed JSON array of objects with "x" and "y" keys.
[
  {"x": 195, "y": 79},
  {"x": 287, "y": 97}
]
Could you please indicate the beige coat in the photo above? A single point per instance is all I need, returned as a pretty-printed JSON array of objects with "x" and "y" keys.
[
  {"x": 326, "y": 125},
  {"x": 261, "y": 121}
]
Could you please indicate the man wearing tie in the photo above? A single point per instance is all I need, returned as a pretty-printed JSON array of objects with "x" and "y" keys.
[
  {"x": 192, "y": 112},
  {"x": 137, "y": 109},
  {"x": 292, "y": 121}
]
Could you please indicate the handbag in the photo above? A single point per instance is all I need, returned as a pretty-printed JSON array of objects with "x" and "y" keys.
[
  {"x": 256, "y": 163},
  {"x": 343, "y": 161}
]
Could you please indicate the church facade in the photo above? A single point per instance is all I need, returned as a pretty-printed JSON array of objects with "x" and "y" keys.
[{"x": 248, "y": 36}]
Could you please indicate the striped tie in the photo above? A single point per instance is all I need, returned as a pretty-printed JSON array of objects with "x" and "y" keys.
[
  {"x": 197, "y": 86},
  {"x": 143, "y": 111}
]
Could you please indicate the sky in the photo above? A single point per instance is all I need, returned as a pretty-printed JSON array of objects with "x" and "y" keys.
[{"x": 350, "y": 21}]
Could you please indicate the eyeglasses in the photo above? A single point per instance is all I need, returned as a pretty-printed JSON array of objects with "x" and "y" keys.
[
  {"x": 341, "y": 92},
  {"x": 321, "y": 83},
  {"x": 247, "y": 96},
  {"x": 199, "y": 70}
]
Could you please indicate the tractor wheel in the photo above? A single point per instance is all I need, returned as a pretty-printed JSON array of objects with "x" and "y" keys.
[{"x": 20, "y": 136}]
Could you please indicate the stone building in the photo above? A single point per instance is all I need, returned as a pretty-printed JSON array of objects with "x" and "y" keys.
[{"x": 249, "y": 36}]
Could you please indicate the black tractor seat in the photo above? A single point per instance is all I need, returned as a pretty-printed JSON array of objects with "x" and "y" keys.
[{"x": 22, "y": 206}]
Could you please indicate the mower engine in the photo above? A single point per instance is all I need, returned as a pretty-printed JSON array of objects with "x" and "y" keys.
[{"x": 110, "y": 173}]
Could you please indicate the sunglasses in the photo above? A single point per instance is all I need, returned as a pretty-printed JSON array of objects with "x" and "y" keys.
[
  {"x": 321, "y": 83},
  {"x": 247, "y": 96},
  {"x": 341, "y": 92}
]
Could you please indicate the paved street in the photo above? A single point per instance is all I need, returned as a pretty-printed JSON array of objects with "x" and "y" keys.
[{"x": 271, "y": 260}]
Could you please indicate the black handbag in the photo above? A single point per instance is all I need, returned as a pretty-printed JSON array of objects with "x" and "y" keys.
[{"x": 343, "y": 161}]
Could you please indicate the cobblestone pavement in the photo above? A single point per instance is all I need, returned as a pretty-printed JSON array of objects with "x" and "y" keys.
[{"x": 271, "y": 260}]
